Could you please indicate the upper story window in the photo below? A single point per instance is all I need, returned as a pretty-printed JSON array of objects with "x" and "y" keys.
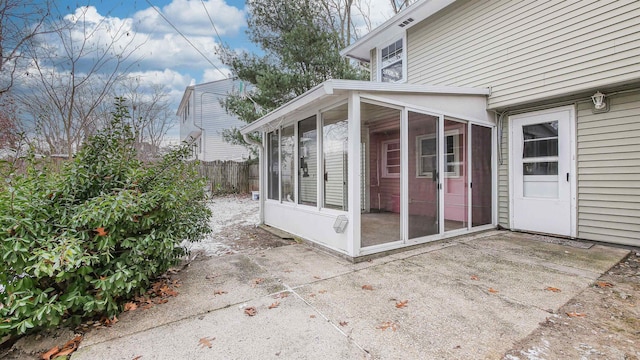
[
  {"x": 392, "y": 62},
  {"x": 185, "y": 112}
]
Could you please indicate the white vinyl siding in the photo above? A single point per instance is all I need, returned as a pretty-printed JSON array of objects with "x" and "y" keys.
[
  {"x": 503, "y": 176},
  {"x": 309, "y": 184},
  {"x": 527, "y": 51},
  {"x": 374, "y": 64},
  {"x": 206, "y": 114},
  {"x": 609, "y": 171},
  {"x": 335, "y": 163}
]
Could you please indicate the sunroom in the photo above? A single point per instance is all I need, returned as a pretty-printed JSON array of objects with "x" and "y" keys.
[{"x": 363, "y": 167}]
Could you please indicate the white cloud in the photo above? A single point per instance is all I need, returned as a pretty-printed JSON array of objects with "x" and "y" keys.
[
  {"x": 214, "y": 75},
  {"x": 190, "y": 17}
]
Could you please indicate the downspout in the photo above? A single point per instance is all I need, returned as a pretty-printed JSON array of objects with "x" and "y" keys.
[{"x": 261, "y": 174}]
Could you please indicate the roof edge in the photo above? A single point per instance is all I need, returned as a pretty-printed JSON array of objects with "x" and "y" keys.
[
  {"x": 330, "y": 87},
  {"x": 393, "y": 27}
]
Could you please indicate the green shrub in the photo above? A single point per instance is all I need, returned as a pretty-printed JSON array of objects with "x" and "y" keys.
[{"x": 76, "y": 244}]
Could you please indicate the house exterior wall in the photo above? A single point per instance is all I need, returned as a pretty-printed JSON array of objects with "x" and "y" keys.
[
  {"x": 207, "y": 114},
  {"x": 608, "y": 165},
  {"x": 608, "y": 151},
  {"x": 526, "y": 51},
  {"x": 503, "y": 174},
  {"x": 374, "y": 65}
]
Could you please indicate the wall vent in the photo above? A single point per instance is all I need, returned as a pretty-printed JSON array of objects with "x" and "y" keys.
[{"x": 406, "y": 22}]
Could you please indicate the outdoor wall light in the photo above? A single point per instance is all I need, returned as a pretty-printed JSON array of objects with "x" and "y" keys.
[
  {"x": 598, "y": 101},
  {"x": 340, "y": 224}
]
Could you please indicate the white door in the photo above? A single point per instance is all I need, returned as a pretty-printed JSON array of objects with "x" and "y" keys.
[{"x": 542, "y": 171}]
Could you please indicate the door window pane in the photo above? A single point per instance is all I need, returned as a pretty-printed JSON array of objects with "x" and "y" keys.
[
  {"x": 308, "y": 153},
  {"x": 540, "y": 168},
  {"x": 540, "y": 140}
]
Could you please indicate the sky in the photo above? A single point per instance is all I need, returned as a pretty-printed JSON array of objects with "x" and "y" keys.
[{"x": 164, "y": 55}]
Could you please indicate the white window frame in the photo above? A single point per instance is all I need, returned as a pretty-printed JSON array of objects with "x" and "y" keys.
[
  {"x": 385, "y": 157},
  {"x": 455, "y": 134},
  {"x": 403, "y": 59}
]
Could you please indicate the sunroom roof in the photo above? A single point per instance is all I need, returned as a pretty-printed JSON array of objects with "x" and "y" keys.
[{"x": 338, "y": 87}]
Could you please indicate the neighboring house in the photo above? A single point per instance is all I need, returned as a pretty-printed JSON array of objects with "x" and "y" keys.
[
  {"x": 202, "y": 120},
  {"x": 478, "y": 114}
]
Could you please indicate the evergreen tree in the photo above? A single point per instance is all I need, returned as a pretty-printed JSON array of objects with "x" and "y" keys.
[{"x": 300, "y": 51}]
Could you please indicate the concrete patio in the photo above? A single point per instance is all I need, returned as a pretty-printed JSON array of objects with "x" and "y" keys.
[{"x": 468, "y": 297}]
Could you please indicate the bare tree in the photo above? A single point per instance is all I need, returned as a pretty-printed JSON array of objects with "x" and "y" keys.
[
  {"x": 20, "y": 22},
  {"x": 70, "y": 79},
  {"x": 348, "y": 18},
  {"x": 399, "y": 5},
  {"x": 151, "y": 113},
  {"x": 9, "y": 133}
]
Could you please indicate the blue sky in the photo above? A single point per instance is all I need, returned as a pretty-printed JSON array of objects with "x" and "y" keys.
[{"x": 165, "y": 56}]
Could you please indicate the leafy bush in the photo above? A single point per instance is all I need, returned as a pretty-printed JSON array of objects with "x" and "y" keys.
[{"x": 76, "y": 244}]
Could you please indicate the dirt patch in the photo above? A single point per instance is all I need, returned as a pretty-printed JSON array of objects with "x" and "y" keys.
[
  {"x": 602, "y": 322},
  {"x": 249, "y": 238}
]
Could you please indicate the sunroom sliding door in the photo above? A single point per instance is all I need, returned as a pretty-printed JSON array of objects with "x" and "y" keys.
[{"x": 423, "y": 175}]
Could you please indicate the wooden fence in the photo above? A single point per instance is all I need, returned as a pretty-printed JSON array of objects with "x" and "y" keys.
[{"x": 227, "y": 177}]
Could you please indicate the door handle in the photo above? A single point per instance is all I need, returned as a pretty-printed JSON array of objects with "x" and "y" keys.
[{"x": 567, "y": 177}]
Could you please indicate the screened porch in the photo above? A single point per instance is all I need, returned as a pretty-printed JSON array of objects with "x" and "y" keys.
[{"x": 362, "y": 168}]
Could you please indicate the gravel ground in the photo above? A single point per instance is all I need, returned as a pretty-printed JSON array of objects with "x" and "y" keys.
[{"x": 230, "y": 214}]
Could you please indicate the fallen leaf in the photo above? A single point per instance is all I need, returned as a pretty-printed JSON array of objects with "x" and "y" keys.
[
  {"x": 137, "y": 357},
  {"x": 274, "y": 305},
  {"x": 108, "y": 322},
  {"x": 386, "y": 325},
  {"x": 576, "y": 314},
  {"x": 47, "y": 356},
  {"x": 219, "y": 292},
  {"x": 288, "y": 271},
  {"x": 282, "y": 295},
  {"x": 206, "y": 342},
  {"x": 553, "y": 289},
  {"x": 367, "y": 287},
  {"x": 312, "y": 295},
  {"x": 211, "y": 277},
  {"x": 70, "y": 346},
  {"x": 343, "y": 323},
  {"x": 401, "y": 304},
  {"x": 312, "y": 316},
  {"x": 603, "y": 284},
  {"x": 493, "y": 291},
  {"x": 64, "y": 352},
  {"x": 473, "y": 277},
  {"x": 101, "y": 231},
  {"x": 251, "y": 311},
  {"x": 317, "y": 277},
  {"x": 322, "y": 291},
  {"x": 130, "y": 306}
]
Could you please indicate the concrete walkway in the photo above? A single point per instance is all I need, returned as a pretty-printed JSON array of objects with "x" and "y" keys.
[{"x": 468, "y": 298}]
